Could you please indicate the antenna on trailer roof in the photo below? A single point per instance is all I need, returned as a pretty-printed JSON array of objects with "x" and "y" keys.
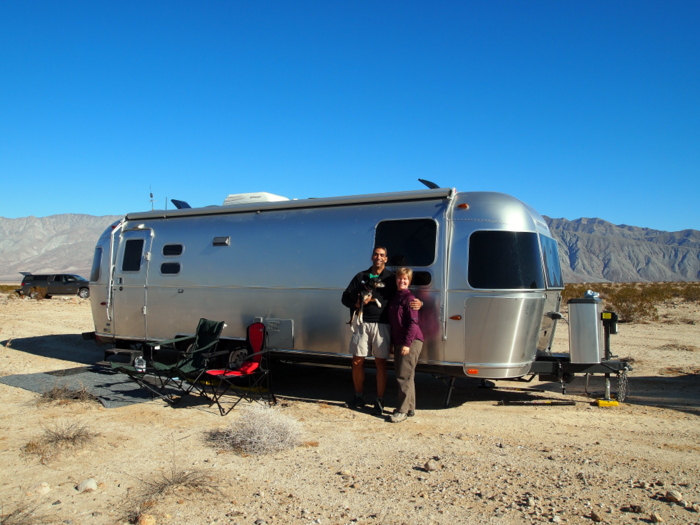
[
  {"x": 429, "y": 184},
  {"x": 150, "y": 189}
]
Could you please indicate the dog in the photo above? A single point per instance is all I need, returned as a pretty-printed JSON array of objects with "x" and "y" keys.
[{"x": 369, "y": 286}]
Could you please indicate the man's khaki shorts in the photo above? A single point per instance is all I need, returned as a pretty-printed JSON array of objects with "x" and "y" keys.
[{"x": 374, "y": 337}]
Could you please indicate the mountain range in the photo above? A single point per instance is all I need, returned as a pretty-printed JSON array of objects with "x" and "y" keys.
[{"x": 590, "y": 250}]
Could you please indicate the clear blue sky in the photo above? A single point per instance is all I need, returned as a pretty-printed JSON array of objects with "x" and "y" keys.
[{"x": 579, "y": 108}]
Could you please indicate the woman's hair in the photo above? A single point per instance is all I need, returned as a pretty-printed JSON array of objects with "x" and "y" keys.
[{"x": 405, "y": 271}]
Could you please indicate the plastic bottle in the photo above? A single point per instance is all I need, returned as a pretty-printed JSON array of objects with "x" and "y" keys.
[{"x": 140, "y": 364}]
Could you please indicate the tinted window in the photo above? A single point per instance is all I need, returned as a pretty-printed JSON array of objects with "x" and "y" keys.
[
  {"x": 551, "y": 262},
  {"x": 505, "y": 261},
  {"x": 170, "y": 268},
  {"x": 408, "y": 242},
  {"x": 132, "y": 255},
  {"x": 96, "y": 262},
  {"x": 171, "y": 250},
  {"x": 40, "y": 278}
]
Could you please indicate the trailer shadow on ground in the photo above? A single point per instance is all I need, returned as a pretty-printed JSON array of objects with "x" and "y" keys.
[
  {"x": 67, "y": 347},
  {"x": 333, "y": 385}
]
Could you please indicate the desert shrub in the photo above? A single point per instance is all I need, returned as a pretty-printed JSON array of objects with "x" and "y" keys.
[
  {"x": 64, "y": 395},
  {"x": 690, "y": 292},
  {"x": 60, "y": 437},
  {"x": 38, "y": 292},
  {"x": 631, "y": 304},
  {"x": 174, "y": 480},
  {"x": 681, "y": 347},
  {"x": 573, "y": 291},
  {"x": 168, "y": 482},
  {"x": 261, "y": 430},
  {"x": 22, "y": 514}
]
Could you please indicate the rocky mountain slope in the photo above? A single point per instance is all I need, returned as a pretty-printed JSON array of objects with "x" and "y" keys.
[
  {"x": 596, "y": 250},
  {"x": 590, "y": 250},
  {"x": 57, "y": 243}
]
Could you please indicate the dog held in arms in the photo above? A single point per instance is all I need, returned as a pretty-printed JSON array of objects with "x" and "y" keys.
[{"x": 369, "y": 287}]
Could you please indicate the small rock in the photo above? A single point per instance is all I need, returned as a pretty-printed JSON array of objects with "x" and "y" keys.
[
  {"x": 89, "y": 485},
  {"x": 42, "y": 488},
  {"x": 260, "y": 521},
  {"x": 146, "y": 519},
  {"x": 57, "y": 502},
  {"x": 431, "y": 465},
  {"x": 656, "y": 518},
  {"x": 596, "y": 517},
  {"x": 674, "y": 496}
]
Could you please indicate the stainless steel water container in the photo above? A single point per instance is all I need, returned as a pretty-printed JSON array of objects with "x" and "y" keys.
[{"x": 586, "y": 333}]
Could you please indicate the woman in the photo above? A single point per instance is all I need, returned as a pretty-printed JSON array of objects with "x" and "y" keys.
[{"x": 407, "y": 343}]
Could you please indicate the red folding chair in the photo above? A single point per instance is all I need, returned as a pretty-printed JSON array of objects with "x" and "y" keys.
[{"x": 247, "y": 376}]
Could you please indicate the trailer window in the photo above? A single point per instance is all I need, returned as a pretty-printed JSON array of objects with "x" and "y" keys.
[
  {"x": 408, "y": 242},
  {"x": 172, "y": 250},
  {"x": 551, "y": 262},
  {"x": 132, "y": 255},
  {"x": 500, "y": 260},
  {"x": 170, "y": 268},
  {"x": 96, "y": 265}
]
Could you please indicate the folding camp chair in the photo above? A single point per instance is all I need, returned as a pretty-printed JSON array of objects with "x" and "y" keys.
[
  {"x": 186, "y": 367},
  {"x": 249, "y": 379}
]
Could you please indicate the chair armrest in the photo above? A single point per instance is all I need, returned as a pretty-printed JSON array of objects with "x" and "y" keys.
[{"x": 169, "y": 342}]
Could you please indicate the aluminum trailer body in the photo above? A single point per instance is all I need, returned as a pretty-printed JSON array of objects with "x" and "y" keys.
[{"x": 485, "y": 266}]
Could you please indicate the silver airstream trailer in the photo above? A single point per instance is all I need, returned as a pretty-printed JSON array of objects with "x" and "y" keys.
[{"x": 485, "y": 265}]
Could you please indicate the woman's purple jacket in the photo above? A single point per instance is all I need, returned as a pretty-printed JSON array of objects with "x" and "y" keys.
[{"x": 403, "y": 320}]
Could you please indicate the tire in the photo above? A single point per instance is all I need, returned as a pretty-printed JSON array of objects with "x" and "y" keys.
[
  {"x": 84, "y": 293},
  {"x": 237, "y": 357}
]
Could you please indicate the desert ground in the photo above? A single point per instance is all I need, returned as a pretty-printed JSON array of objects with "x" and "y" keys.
[{"x": 479, "y": 461}]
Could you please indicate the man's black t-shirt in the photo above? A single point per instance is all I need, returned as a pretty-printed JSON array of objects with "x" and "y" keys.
[{"x": 371, "y": 312}]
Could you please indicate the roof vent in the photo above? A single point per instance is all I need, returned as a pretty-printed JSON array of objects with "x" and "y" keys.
[{"x": 251, "y": 198}]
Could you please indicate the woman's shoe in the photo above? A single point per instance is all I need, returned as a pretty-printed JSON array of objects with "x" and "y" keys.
[{"x": 398, "y": 417}]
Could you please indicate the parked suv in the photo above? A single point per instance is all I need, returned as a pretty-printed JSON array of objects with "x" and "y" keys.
[{"x": 55, "y": 284}]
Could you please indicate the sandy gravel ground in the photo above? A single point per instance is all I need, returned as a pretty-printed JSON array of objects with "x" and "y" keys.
[{"x": 492, "y": 463}]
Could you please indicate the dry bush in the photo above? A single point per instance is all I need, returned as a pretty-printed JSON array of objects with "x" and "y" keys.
[
  {"x": 632, "y": 304},
  {"x": 166, "y": 483},
  {"x": 10, "y": 289},
  {"x": 64, "y": 395},
  {"x": 22, "y": 514},
  {"x": 38, "y": 292},
  {"x": 678, "y": 346},
  {"x": 174, "y": 480},
  {"x": 261, "y": 430},
  {"x": 61, "y": 437},
  {"x": 573, "y": 291}
]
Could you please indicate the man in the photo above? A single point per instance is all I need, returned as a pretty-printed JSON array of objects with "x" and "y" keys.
[{"x": 373, "y": 334}]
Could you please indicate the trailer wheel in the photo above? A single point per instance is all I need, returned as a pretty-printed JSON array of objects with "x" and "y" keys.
[
  {"x": 236, "y": 358},
  {"x": 84, "y": 293}
]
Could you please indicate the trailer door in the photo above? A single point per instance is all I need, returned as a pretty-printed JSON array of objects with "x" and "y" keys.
[{"x": 131, "y": 285}]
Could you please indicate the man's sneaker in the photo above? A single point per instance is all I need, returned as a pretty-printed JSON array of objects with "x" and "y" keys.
[
  {"x": 356, "y": 402},
  {"x": 398, "y": 417},
  {"x": 411, "y": 413},
  {"x": 378, "y": 409}
]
